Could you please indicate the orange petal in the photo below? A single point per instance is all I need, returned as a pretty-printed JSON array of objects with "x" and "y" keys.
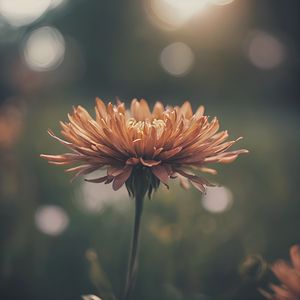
[
  {"x": 164, "y": 155},
  {"x": 115, "y": 171},
  {"x": 295, "y": 257},
  {"x": 61, "y": 158},
  {"x": 132, "y": 161},
  {"x": 200, "y": 187},
  {"x": 186, "y": 109},
  {"x": 199, "y": 112},
  {"x": 158, "y": 110},
  {"x": 282, "y": 293},
  {"x": 288, "y": 276},
  {"x": 121, "y": 178},
  {"x": 228, "y": 160},
  {"x": 144, "y": 110},
  {"x": 208, "y": 170},
  {"x": 184, "y": 183},
  {"x": 161, "y": 173},
  {"x": 97, "y": 180},
  {"x": 149, "y": 162}
]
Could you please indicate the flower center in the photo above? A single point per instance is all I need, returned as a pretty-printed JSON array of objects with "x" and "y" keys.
[{"x": 142, "y": 126}]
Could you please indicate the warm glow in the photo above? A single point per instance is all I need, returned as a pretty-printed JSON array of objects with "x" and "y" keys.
[
  {"x": 221, "y": 2},
  {"x": 51, "y": 219},
  {"x": 23, "y": 12},
  {"x": 217, "y": 199},
  {"x": 90, "y": 297},
  {"x": 265, "y": 51},
  {"x": 44, "y": 49},
  {"x": 56, "y": 3},
  {"x": 174, "y": 13},
  {"x": 177, "y": 59}
]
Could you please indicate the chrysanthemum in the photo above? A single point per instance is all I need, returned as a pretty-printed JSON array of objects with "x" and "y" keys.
[
  {"x": 141, "y": 149},
  {"x": 167, "y": 143}
]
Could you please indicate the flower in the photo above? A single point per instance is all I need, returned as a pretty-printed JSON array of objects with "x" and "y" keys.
[
  {"x": 142, "y": 148},
  {"x": 289, "y": 276}
]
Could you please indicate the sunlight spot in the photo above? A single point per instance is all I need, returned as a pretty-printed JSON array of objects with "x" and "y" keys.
[
  {"x": 177, "y": 59},
  {"x": 56, "y": 3},
  {"x": 265, "y": 51},
  {"x": 172, "y": 14},
  {"x": 51, "y": 219},
  {"x": 217, "y": 199},
  {"x": 44, "y": 49},
  {"x": 23, "y": 12},
  {"x": 221, "y": 2},
  {"x": 95, "y": 198},
  {"x": 90, "y": 297}
]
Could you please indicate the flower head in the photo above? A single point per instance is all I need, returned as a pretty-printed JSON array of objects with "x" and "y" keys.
[
  {"x": 142, "y": 148},
  {"x": 289, "y": 277}
]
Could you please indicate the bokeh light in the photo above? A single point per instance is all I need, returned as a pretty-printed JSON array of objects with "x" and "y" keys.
[
  {"x": 95, "y": 198},
  {"x": 221, "y": 2},
  {"x": 177, "y": 59},
  {"x": 21, "y": 12},
  {"x": 265, "y": 51},
  {"x": 217, "y": 199},
  {"x": 172, "y": 14},
  {"x": 51, "y": 219},
  {"x": 44, "y": 49},
  {"x": 56, "y": 3},
  {"x": 90, "y": 297}
]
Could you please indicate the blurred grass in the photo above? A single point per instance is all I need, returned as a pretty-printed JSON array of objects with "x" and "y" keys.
[{"x": 182, "y": 254}]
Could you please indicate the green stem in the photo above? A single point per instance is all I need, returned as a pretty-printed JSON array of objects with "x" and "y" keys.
[{"x": 132, "y": 265}]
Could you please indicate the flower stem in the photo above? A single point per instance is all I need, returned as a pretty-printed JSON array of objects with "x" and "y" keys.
[{"x": 133, "y": 262}]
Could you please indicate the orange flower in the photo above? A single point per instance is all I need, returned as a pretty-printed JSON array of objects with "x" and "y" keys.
[
  {"x": 289, "y": 276},
  {"x": 152, "y": 147}
]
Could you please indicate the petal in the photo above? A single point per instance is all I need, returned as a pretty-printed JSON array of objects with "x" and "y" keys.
[
  {"x": 97, "y": 180},
  {"x": 51, "y": 133},
  {"x": 186, "y": 110},
  {"x": 158, "y": 110},
  {"x": 132, "y": 161},
  {"x": 100, "y": 109},
  {"x": 198, "y": 182},
  {"x": 149, "y": 162},
  {"x": 199, "y": 112},
  {"x": 83, "y": 170},
  {"x": 267, "y": 295},
  {"x": 199, "y": 186},
  {"x": 161, "y": 173},
  {"x": 208, "y": 170},
  {"x": 115, "y": 171},
  {"x": 295, "y": 257},
  {"x": 61, "y": 158},
  {"x": 282, "y": 293},
  {"x": 144, "y": 110},
  {"x": 228, "y": 160},
  {"x": 164, "y": 155},
  {"x": 184, "y": 183},
  {"x": 288, "y": 276},
  {"x": 121, "y": 178}
]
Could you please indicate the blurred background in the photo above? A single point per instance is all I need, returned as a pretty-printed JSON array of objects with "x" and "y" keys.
[{"x": 240, "y": 58}]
